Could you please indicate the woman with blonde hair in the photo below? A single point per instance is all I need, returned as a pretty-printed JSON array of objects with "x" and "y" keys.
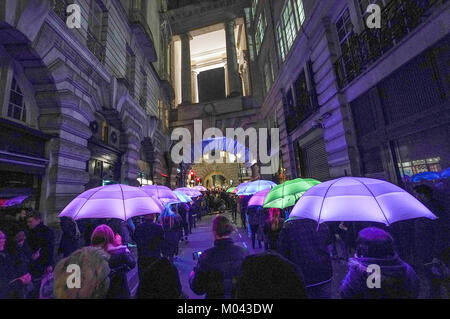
[
  {"x": 273, "y": 227},
  {"x": 120, "y": 262}
]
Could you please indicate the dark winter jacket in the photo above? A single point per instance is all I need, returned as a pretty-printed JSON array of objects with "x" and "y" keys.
[
  {"x": 305, "y": 246},
  {"x": 120, "y": 263},
  {"x": 217, "y": 270},
  {"x": 148, "y": 237},
  {"x": 41, "y": 237},
  {"x": 6, "y": 274},
  {"x": 398, "y": 280},
  {"x": 69, "y": 237}
]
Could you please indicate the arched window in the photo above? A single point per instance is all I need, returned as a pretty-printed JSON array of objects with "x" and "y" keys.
[{"x": 16, "y": 105}]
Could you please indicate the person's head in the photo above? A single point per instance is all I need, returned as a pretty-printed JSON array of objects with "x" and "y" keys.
[
  {"x": 151, "y": 217},
  {"x": 102, "y": 236},
  {"x": 160, "y": 281},
  {"x": 33, "y": 219},
  {"x": 423, "y": 192},
  {"x": 222, "y": 227},
  {"x": 20, "y": 238},
  {"x": 94, "y": 275},
  {"x": 22, "y": 214},
  {"x": 374, "y": 242},
  {"x": 274, "y": 213},
  {"x": 269, "y": 276},
  {"x": 2, "y": 240}
]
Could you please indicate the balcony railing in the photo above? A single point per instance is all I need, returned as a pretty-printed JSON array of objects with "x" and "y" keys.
[
  {"x": 96, "y": 47},
  {"x": 399, "y": 17},
  {"x": 143, "y": 33}
]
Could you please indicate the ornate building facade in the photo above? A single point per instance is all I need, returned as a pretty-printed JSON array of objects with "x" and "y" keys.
[
  {"x": 81, "y": 107},
  {"x": 350, "y": 99}
]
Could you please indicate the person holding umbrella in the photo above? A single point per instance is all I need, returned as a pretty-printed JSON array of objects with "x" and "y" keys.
[
  {"x": 148, "y": 237},
  {"x": 398, "y": 280}
]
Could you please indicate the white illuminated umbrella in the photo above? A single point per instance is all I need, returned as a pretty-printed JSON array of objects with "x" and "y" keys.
[
  {"x": 359, "y": 199},
  {"x": 112, "y": 201}
]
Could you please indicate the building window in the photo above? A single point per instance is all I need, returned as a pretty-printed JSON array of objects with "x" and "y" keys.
[
  {"x": 96, "y": 20},
  {"x": 131, "y": 70},
  {"x": 292, "y": 18},
  {"x": 16, "y": 105},
  {"x": 143, "y": 98},
  {"x": 260, "y": 29},
  {"x": 105, "y": 132},
  {"x": 344, "y": 27},
  {"x": 96, "y": 37},
  {"x": 281, "y": 43},
  {"x": 268, "y": 75}
]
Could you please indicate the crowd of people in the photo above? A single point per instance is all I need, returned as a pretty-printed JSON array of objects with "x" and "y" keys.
[{"x": 296, "y": 259}]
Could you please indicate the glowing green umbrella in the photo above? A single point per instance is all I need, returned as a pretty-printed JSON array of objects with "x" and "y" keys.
[
  {"x": 231, "y": 189},
  {"x": 287, "y": 194}
]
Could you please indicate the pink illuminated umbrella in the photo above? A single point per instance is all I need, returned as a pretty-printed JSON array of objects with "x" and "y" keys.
[
  {"x": 163, "y": 193},
  {"x": 359, "y": 199},
  {"x": 200, "y": 188},
  {"x": 112, "y": 201},
  {"x": 258, "y": 198}
]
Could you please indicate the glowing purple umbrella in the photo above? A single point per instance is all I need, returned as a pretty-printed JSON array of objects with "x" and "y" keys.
[
  {"x": 254, "y": 187},
  {"x": 189, "y": 191},
  {"x": 359, "y": 199},
  {"x": 163, "y": 193},
  {"x": 112, "y": 201},
  {"x": 14, "y": 201},
  {"x": 200, "y": 188},
  {"x": 445, "y": 173},
  {"x": 428, "y": 176},
  {"x": 258, "y": 198}
]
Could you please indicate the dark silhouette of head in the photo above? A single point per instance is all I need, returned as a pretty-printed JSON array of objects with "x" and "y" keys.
[
  {"x": 270, "y": 276},
  {"x": 374, "y": 242},
  {"x": 222, "y": 227},
  {"x": 160, "y": 280}
]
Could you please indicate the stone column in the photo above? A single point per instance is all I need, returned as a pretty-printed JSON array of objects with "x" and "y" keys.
[
  {"x": 195, "y": 95},
  {"x": 234, "y": 81},
  {"x": 186, "y": 69}
]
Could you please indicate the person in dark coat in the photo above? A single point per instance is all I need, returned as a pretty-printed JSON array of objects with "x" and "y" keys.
[
  {"x": 171, "y": 225},
  {"x": 398, "y": 280},
  {"x": 270, "y": 276},
  {"x": 69, "y": 237},
  {"x": 148, "y": 237},
  {"x": 272, "y": 228},
  {"x": 243, "y": 202},
  {"x": 41, "y": 240},
  {"x": 6, "y": 268},
  {"x": 21, "y": 257},
  {"x": 218, "y": 267},
  {"x": 254, "y": 219},
  {"x": 121, "y": 261},
  {"x": 160, "y": 281},
  {"x": 183, "y": 210},
  {"x": 307, "y": 247}
]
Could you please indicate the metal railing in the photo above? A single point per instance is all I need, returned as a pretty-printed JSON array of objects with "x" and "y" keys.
[{"x": 399, "y": 17}]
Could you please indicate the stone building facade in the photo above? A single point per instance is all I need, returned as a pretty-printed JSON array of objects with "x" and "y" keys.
[
  {"x": 351, "y": 100},
  {"x": 81, "y": 107}
]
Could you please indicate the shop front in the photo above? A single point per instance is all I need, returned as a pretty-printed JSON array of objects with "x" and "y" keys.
[{"x": 22, "y": 163}]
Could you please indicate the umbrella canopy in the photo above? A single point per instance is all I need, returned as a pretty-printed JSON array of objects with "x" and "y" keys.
[
  {"x": 182, "y": 197},
  {"x": 445, "y": 173},
  {"x": 200, "y": 188},
  {"x": 258, "y": 198},
  {"x": 428, "y": 176},
  {"x": 231, "y": 189},
  {"x": 163, "y": 193},
  {"x": 112, "y": 201},
  {"x": 189, "y": 191},
  {"x": 240, "y": 186},
  {"x": 254, "y": 187},
  {"x": 287, "y": 194},
  {"x": 13, "y": 201},
  {"x": 359, "y": 199}
]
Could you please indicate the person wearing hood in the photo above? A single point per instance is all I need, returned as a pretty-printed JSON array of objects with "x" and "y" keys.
[
  {"x": 121, "y": 261},
  {"x": 375, "y": 252}
]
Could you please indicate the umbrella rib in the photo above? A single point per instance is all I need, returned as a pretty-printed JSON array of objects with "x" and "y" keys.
[
  {"x": 387, "y": 221},
  {"x": 123, "y": 201},
  {"x": 323, "y": 201},
  {"x": 100, "y": 188}
]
